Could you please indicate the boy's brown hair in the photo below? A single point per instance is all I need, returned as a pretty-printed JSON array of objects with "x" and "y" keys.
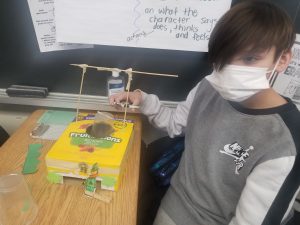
[{"x": 254, "y": 25}]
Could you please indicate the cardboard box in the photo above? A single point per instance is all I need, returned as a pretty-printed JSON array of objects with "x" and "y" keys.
[{"x": 75, "y": 152}]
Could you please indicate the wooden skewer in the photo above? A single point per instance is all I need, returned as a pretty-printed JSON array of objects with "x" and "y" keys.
[
  {"x": 120, "y": 70},
  {"x": 80, "y": 90},
  {"x": 129, "y": 73}
]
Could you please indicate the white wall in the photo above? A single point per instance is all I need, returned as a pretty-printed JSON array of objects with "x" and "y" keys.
[{"x": 12, "y": 116}]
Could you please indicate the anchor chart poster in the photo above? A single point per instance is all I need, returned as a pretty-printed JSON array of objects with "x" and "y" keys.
[{"x": 163, "y": 24}]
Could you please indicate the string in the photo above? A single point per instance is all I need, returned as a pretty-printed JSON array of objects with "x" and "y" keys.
[
  {"x": 78, "y": 99},
  {"x": 129, "y": 72}
]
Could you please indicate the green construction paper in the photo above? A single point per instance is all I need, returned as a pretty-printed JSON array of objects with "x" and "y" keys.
[
  {"x": 35, "y": 146},
  {"x": 32, "y": 161},
  {"x": 95, "y": 168},
  {"x": 90, "y": 184},
  {"x": 54, "y": 178},
  {"x": 108, "y": 181},
  {"x": 53, "y": 117}
]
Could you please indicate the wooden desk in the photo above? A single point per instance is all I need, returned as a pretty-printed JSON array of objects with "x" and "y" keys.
[{"x": 66, "y": 204}]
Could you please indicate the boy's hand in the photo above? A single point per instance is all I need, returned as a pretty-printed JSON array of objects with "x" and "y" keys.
[{"x": 135, "y": 98}]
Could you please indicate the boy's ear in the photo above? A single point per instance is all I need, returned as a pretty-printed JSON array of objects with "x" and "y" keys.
[{"x": 284, "y": 61}]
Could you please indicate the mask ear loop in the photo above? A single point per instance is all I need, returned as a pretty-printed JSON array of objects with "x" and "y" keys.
[{"x": 272, "y": 77}]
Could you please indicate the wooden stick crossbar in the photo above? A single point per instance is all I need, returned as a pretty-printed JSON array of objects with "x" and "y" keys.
[{"x": 121, "y": 70}]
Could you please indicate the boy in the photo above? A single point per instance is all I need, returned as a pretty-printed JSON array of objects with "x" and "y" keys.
[{"x": 240, "y": 164}]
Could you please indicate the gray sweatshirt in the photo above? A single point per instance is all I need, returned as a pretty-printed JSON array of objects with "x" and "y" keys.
[{"x": 240, "y": 166}]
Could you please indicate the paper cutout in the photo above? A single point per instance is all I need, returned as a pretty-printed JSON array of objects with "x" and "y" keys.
[
  {"x": 53, "y": 132},
  {"x": 108, "y": 181},
  {"x": 39, "y": 130},
  {"x": 32, "y": 161},
  {"x": 90, "y": 182},
  {"x": 54, "y": 178},
  {"x": 53, "y": 117},
  {"x": 52, "y": 124}
]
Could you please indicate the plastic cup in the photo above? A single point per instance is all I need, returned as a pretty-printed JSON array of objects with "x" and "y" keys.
[
  {"x": 17, "y": 206},
  {"x": 103, "y": 117}
]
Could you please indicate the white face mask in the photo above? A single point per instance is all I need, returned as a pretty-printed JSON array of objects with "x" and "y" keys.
[{"x": 237, "y": 83}]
